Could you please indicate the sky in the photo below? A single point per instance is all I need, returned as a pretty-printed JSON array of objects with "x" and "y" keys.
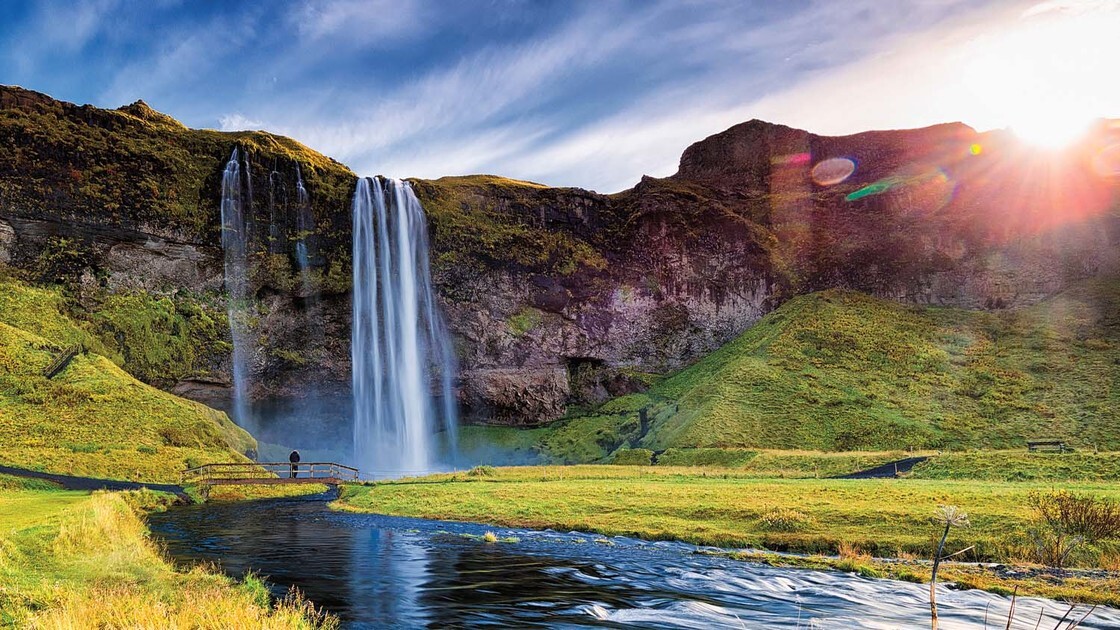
[{"x": 591, "y": 93}]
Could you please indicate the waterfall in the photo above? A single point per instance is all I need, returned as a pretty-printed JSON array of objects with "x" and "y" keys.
[
  {"x": 305, "y": 225},
  {"x": 398, "y": 336},
  {"x": 275, "y": 237},
  {"x": 235, "y": 247}
]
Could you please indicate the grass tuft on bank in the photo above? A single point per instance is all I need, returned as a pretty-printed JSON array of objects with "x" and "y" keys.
[{"x": 74, "y": 560}]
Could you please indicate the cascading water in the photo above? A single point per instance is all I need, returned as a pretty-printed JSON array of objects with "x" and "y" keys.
[
  {"x": 235, "y": 247},
  {"x": 398, "y": 335},
  {"x": 305, "y": 224},
  {"x": 275, "y": 237}
]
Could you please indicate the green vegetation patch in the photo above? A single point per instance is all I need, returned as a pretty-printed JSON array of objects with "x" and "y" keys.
[
  {"x": 93, "y": 418},
  {"x": 161, "y": 340},
  {"x": 844, "y": 371},
  {"x": 587, "y": 438},
  {"x": 1021, "y": 466},
  {"x": 524, "y": 321},
  {"x": 158, "y": 339},
  {"x": 70, "y": 559},
  {"x": 484, "y": 221}
]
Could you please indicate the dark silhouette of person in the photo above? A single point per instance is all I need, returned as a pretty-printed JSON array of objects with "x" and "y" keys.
[{"x": 294, "y": 459}]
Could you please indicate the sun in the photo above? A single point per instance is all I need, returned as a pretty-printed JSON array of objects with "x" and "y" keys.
[
  {"x": 1051, "y": 131},
  {"x": 1046, "y": 76}
]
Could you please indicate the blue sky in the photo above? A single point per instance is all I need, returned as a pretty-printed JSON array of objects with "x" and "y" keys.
[{"x": 591, "y": 94}]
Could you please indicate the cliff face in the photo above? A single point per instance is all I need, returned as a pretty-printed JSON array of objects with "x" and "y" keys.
[
  {"x": 562, "y": 296},
  {"x": 119, "y": 202}
]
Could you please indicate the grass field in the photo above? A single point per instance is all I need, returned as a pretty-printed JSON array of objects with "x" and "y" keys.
[
  {"x": 734, "y": 508},
  {"x": 719, "y": 507},
  {"x": 1021, "y": 466},
  {"x": 75, "y": 560}
]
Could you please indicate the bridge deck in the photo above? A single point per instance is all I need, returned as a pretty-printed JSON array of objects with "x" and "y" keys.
[
  {"x": 275, "y": 481},
  {"x": 269, "y": 473}
]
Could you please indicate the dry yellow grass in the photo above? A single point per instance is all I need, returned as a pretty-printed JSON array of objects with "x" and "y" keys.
[{"x": 86, "y": 561}]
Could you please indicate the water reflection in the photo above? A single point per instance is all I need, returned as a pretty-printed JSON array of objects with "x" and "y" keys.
[{"x": 377, "y": 572}]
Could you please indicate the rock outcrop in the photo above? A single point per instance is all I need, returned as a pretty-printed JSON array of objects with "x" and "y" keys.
[{"x": 561, "y": 296}]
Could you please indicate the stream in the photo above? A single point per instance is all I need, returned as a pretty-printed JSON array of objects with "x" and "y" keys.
[{"x": 391, "y": 572}]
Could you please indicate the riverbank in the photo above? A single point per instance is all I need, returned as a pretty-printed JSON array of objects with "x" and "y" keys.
[
  {"x": 72, "y": 559},
  {"x": 862, "y": 518}
]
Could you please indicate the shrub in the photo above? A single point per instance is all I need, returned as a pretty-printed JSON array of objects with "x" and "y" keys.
[
  {"x": 1063, "y": 521},
  {"x": 481, "y": 471},
  {"x": 633, "y": 457},
  {"x": 178, "y": 436},
  {"x": 784, "y": 520}
]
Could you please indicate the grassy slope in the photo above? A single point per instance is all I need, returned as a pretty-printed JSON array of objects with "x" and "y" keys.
[
  {"x": 158, "y": 339},
  {"x": 843, "y": 371},
  {"x": 730, "y": 508},
  {"x": 1021, "y": 466},
  {"x": 74, "y": 560},
  {"x": 93, "y": 418}
]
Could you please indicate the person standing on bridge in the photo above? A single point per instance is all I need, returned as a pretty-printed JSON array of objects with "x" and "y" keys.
[{"x": 294, "y": 459}]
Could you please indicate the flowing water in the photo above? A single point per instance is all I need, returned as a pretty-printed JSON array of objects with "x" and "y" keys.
[
  {"x": 383, "y": 572},
  {"x": 235, "y": 240},
  {"x": 398, "y": 338},
  {"x": 305, "y": 225}
]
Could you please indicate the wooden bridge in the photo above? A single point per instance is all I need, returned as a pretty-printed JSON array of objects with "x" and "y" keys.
[{"x": 269, "y": 473}]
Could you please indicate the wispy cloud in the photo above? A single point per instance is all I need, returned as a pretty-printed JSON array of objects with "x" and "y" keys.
[
  {"x": 238, "y": 122},
  {"x": 586, "y": 93},
  {"x": 58, "y": 28},
  {"x": 355, "y": 22}
]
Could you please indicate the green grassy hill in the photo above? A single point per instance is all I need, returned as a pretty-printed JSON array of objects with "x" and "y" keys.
[
  {"x": 844, "y": 371},
  {"x": 93, "y": 418}
]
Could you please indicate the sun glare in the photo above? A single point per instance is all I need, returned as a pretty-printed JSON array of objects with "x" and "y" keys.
[
  {"x": 1052, "y": 131},
  {"x": 1048, "y": 76}
]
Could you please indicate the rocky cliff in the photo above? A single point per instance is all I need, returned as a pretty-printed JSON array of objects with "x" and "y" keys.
[
  {"x": 559, "y": 297},
  {"x": 598, "y": 291}
]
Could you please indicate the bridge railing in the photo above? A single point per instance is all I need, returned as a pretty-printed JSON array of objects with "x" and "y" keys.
[{"x": 303, "y": 472}]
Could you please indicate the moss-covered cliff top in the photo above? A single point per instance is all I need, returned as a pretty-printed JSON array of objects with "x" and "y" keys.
[
  {"x": 136, "y": 168},
  {"x": 484, "y": 220}
]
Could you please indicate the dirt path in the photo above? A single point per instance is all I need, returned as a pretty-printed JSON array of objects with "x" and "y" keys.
[
  {"x": 69, "y": 482},
  {"x": 887, "y": 470}
]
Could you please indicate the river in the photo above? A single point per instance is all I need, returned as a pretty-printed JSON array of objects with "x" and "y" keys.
[{"x": 391, "y": 572}]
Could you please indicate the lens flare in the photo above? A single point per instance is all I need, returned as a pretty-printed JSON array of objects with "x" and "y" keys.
[
  {"x": 791, "y": 159},
  {"x": 832, "y": 171},
  {"x": 879, "y": 187},
  {"x": 925, "y": 192},
  {"x": 976, "y": 149}
]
